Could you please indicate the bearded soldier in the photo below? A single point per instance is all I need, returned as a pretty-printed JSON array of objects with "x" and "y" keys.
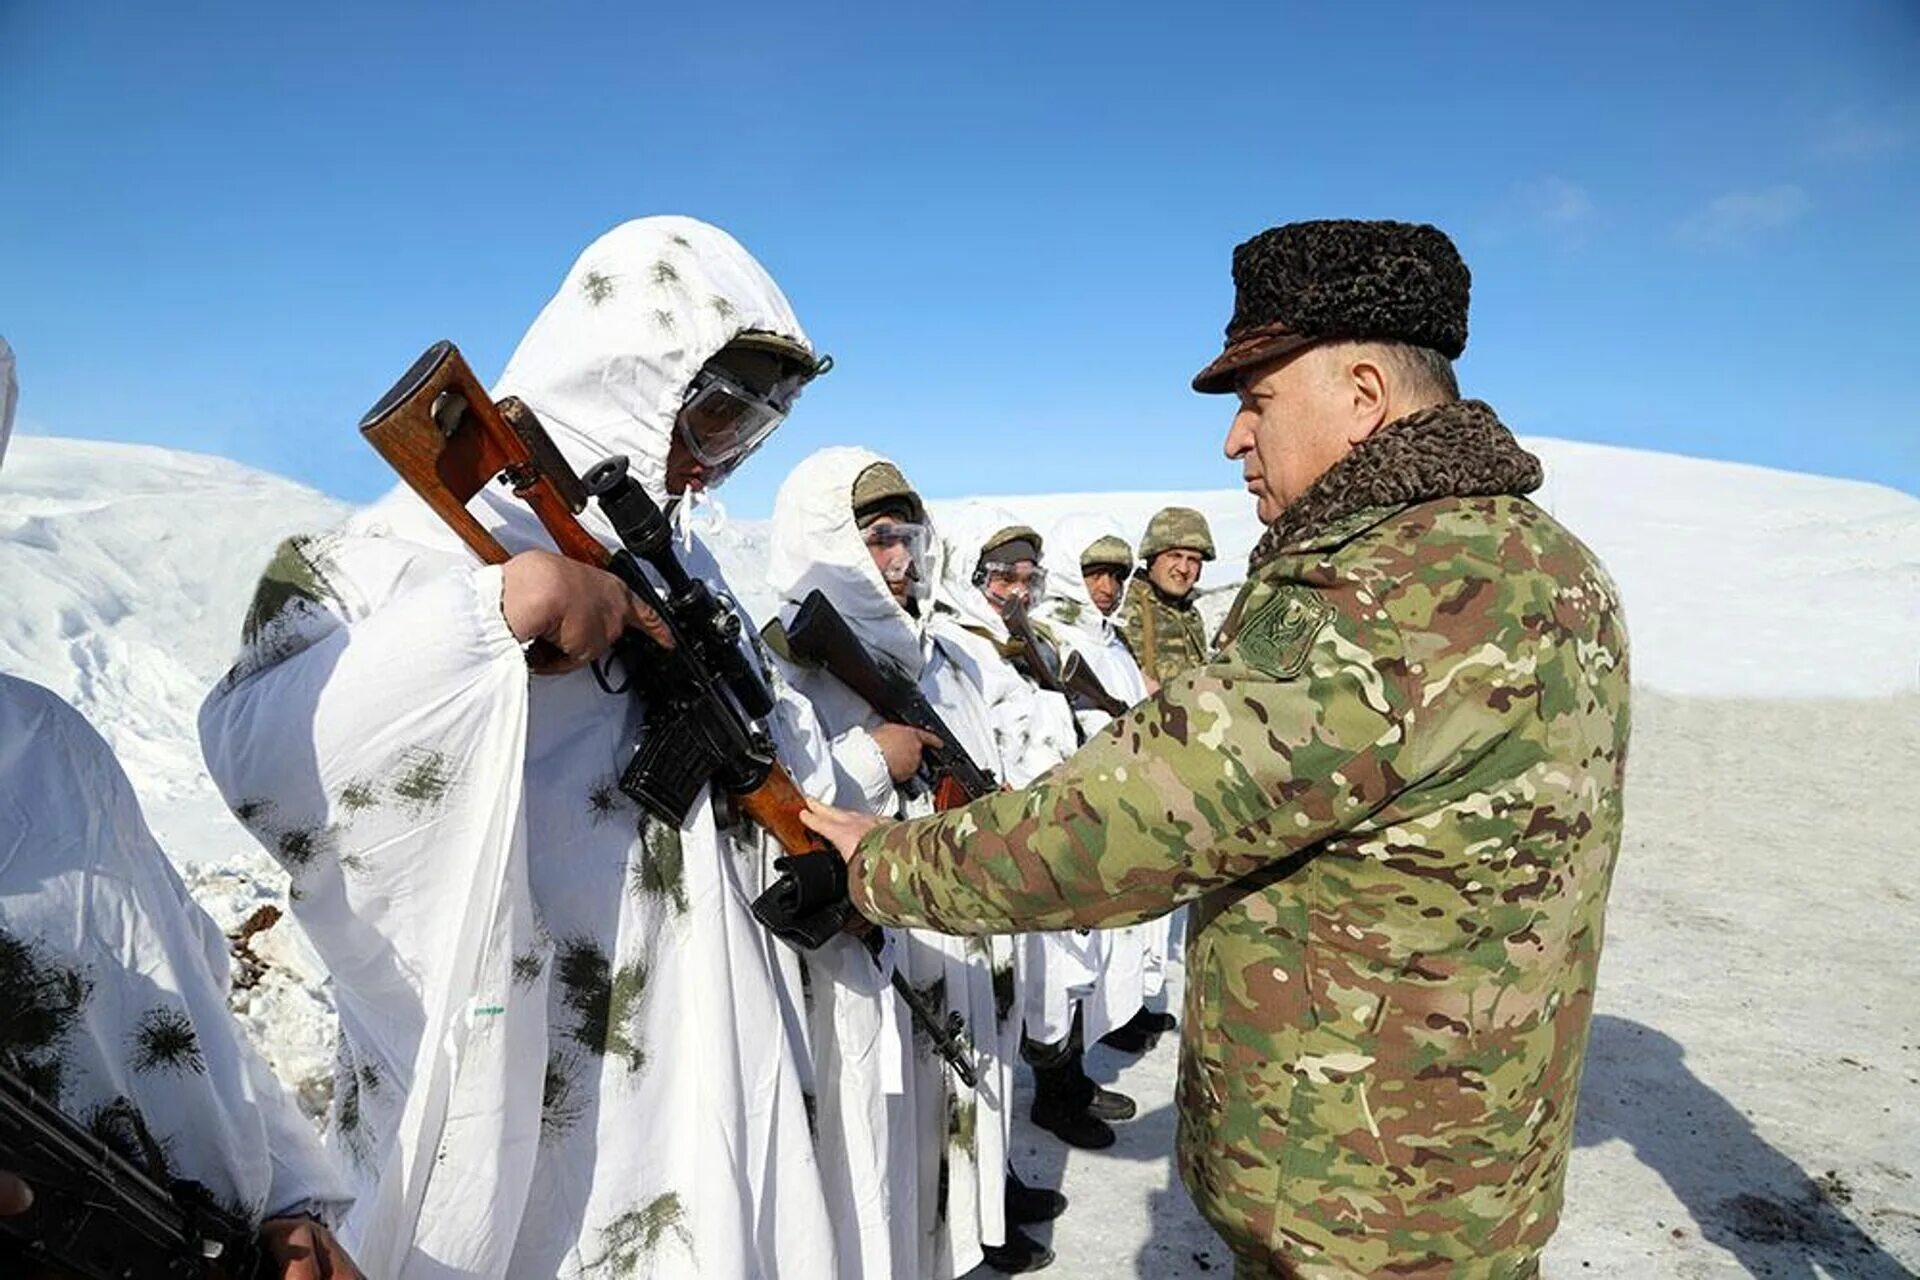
[
  {"x": 1394, "y": 797},
  {"x": 1162, "y": 620}
]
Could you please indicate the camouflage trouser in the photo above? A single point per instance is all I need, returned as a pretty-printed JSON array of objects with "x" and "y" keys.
[{"x": 1245, "y": 1268}]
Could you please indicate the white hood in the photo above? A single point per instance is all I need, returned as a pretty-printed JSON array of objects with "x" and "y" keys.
[
  {"x": 9, "y": 396},
  {"x": 609, "y": 358},
  {"x": 1068, "y": 602},
  {"x": 817, "y": 545},
  {"x": 961, "y": 537}
]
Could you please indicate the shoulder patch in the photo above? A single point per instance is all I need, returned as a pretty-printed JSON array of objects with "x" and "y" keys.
[{"x": 1278, "y": 639}]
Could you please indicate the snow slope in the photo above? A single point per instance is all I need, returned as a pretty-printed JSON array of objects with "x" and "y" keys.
[
  {"x": 126, "y": 571},
  {"x": 1738, "y": 581}
]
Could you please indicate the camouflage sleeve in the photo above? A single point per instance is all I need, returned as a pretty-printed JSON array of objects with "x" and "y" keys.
[
  {"x": 1130, "y": 629},
  {"x": 1290, "y": 737}
]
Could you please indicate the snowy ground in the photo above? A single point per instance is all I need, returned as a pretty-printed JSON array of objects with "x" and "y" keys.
[{"x": 1756, "y": 1055}]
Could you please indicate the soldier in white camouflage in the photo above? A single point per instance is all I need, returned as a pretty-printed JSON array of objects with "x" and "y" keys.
[{"x": 1394, "y": 798}]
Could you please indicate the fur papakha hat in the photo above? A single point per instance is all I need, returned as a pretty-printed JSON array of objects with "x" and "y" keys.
[{"x": 1307, "y": 282}]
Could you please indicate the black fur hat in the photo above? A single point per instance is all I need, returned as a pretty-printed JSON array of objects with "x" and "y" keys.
[{"x": 1309, "y": 281}]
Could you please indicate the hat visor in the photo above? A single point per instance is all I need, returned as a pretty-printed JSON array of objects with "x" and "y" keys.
[{"x": 1222, "y": 376}]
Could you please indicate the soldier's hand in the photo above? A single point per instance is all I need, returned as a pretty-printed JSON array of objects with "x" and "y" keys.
[
  {"x": 577, "y": 609},
  {"x": 15, "y": 1195},
  {"x": 902, "y": 745},
  {"x": 302, "y": 1249},
  {"x": 1153, "y": 686},
  {"x": 841, "y": 828}
]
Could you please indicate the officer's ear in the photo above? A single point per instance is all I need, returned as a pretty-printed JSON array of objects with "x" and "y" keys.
[{"x": 1365, "y": 388}]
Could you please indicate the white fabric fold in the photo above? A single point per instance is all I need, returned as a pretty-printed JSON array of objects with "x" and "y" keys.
[{"x": 120, "y": 980}]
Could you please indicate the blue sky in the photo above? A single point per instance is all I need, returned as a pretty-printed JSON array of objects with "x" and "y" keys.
[{"x": 1695, "y": 228}]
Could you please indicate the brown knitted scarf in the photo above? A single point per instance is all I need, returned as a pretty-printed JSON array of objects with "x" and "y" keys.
[{"x": 1455, "y": 450}]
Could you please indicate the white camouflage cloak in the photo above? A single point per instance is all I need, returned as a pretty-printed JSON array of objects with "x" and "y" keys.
[
  {"x": 1035, "y": 730},
  {"x": 955, "y": 1137},
  {"x": 564, "y": 1045},
  {"x": 1137, "y": 955},
  {"x": 113, "y": 981}
]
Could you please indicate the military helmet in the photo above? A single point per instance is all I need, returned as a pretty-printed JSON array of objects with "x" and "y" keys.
[
  {"x": 793, "y": 357},
  {"x": 1013, "y": 533},
  {"x": 880, "y": 489},
  {"x": 1176, "y": 528},
  {"x": 1109, "y": 549}
]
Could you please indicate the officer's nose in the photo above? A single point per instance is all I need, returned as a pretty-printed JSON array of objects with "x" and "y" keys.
[{"x": 1239, "y": 434}]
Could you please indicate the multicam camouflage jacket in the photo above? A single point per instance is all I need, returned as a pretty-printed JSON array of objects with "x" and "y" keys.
[
  {"x": 1395, "y": 800},
  {"x": 1168, "y": 637}
]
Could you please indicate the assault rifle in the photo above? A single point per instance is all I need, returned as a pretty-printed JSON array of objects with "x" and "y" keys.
[
  {"x": 705, "y": 699},
  {"x": 1039, "y": 661},
  {"x": 818, "y": 635},
  {"x": 95, "y": 1216}
]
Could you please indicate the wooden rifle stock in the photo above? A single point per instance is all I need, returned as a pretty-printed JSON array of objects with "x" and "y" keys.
[
  {"x": 1078, "y": 679},
  {"x": 818, "y": 635}
]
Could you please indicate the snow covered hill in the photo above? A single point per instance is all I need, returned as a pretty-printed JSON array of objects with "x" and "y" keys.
[
  {"x": 126, "y": 570},
  {"x": 1739, "y": 581}
]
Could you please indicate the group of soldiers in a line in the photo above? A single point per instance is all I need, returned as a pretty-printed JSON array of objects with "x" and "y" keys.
[{"x": 566, "y": 1047}]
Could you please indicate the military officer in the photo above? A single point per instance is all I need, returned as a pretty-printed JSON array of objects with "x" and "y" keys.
[{"x": 1394, "y": 797}]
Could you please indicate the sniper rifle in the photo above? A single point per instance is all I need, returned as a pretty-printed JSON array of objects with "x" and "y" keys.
[{"x": 705, "y": 698}]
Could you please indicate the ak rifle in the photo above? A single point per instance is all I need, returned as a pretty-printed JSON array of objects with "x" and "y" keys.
[
  {"x": 1040, "y": 662},
  {"x": 705, "y": 699},
  {"x": 820, "y": 637},
  {"x": 97, "y": 1216}
]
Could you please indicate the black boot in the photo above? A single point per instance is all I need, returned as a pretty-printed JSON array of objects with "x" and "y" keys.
[
  {"x": 1060, "y": 1107},
  {"x": 1082, "y": 1092},
  {"x": 1139, "y": 1033},
  {"x": 1021, "y": 1253},
  {"x": 1109, "y": 1105},
  {"x": 1027, "y": 1205}
]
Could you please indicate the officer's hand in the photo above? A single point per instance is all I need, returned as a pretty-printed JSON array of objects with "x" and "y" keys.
[
  {"x": 302, "y": 1249},
  {"x": 577, "y": 609},
  {"x": 902, "y": 744},
  {"x": 841, "y": 828},
  {"x": 15, "y": 1195}
]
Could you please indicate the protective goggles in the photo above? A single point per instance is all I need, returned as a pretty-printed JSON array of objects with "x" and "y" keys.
[
  {"x": 721, "y": 421},
  {"x": 998, "y": 578},
  {"x": 899, "y": 549}
]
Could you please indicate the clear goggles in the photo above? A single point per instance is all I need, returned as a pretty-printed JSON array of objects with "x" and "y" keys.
[
  {"x": 721, "y": 421},
  {"x": 1001, "y": 580},
  {"x": 899, "y": 549}
]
